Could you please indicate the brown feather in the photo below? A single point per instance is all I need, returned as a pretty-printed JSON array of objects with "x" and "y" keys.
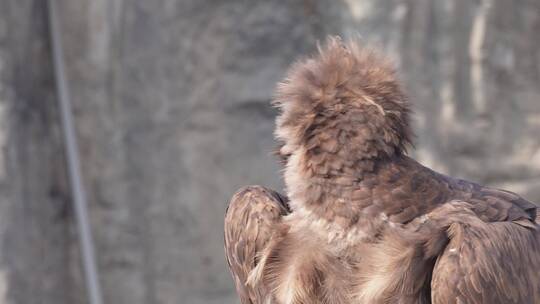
[
  {"x": 365, "y": 223},
  {"x": 251, "y": 222}
]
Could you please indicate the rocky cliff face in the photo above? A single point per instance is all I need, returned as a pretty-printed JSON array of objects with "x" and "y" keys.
[{"x": 172, "y": 106}]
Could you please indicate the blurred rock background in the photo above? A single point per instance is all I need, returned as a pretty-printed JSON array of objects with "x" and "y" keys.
[{"x": 171, "y": 99}]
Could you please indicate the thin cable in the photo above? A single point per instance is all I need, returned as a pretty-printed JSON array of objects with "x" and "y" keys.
[{"x": 73, "y": 161}]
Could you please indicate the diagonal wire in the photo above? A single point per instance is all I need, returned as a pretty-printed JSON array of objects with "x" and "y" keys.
[{"x": 73, "y": 161}]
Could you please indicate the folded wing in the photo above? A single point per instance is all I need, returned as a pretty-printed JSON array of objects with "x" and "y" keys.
[
  {"x": 251, "y": 223},
  {"x": 490, "y": 261}
]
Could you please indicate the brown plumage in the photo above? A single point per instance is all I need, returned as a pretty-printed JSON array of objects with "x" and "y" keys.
[{"x": 364, "y": 223}]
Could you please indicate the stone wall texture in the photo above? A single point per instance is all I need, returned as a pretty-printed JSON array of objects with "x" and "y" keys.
[{"x": 172, "y": 106}]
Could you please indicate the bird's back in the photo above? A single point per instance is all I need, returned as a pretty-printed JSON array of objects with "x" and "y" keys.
[{"x": 478, "y": 239}]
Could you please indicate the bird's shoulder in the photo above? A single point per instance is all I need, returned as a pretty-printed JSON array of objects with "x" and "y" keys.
[
  {"x": 406, "y": 190},
  {"x": 498, "y": 205}
]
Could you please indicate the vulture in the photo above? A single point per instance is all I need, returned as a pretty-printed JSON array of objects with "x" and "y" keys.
[{"x": 361, "y": 221}]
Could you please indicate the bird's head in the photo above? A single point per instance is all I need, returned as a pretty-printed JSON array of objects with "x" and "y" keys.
[{"x": 339, "y": 109}]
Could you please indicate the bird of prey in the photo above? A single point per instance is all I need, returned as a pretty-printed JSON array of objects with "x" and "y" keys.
[{"x": 361, "y": 222}]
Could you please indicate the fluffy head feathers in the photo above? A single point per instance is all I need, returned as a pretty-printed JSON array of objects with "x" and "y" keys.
[{"x": 344, "y": 101}]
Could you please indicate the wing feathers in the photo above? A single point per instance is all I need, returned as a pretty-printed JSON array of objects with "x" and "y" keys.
[
  {"x": 485, "y": 262},
  {"x": 251, "y": 222}
]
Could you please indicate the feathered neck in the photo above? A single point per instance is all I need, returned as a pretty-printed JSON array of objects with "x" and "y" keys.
[{"x": 342, "y": 113}]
